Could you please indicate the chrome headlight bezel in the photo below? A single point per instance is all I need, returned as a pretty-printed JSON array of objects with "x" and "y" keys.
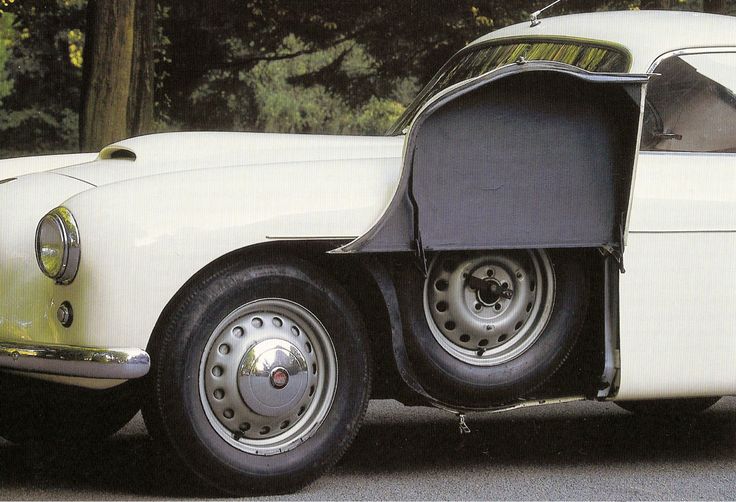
[{"x": 61, "y": 221}]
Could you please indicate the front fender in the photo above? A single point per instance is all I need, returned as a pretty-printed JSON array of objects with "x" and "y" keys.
[
  {"x": 142, "y": 239},
  {"x": 27, "y": 301}
]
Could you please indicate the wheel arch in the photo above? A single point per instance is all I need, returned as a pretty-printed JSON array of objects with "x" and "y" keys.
[{"x": 365, "y": 278}]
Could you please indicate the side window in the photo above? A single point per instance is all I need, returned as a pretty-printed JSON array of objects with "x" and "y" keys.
[{"x": 691, "y": 105}]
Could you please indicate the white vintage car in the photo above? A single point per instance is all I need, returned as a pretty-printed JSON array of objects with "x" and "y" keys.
[{"x": 553, "y": 219}]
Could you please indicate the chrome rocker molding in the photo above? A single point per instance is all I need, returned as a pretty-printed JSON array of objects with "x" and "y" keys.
[{"x": 86, "y": 362}]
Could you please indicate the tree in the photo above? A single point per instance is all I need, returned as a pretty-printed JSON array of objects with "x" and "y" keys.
[
  {"x": 44, "y": 63},
  {"x": 142, "y": 76},
  {"x": 6, "y": 40},
  {"x": 715, "y": 6},
  {"x": 117, "y": 86},
  {"x": 203, "y": 64}
]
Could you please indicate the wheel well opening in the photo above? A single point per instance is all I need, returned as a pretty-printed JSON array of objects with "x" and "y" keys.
[
  {"x": 581, "y": 372},
  {"x": 350, "y": 271}
]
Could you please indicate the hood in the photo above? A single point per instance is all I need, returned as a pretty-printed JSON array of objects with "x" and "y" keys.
[
  {"x": 22, "y": 166},
  {"x": 174, "y": 152}
]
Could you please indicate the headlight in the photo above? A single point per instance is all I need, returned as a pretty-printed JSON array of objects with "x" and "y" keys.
[{"x": 57, "y": 245}]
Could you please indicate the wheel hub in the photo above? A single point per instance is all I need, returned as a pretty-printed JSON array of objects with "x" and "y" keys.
[
  {"x": 273, "y": 376},
  {"x": 490, "y": 291},
  {"x": 487, "y": 308}
]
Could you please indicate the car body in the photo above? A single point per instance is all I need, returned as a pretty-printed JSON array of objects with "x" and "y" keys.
[{"x": 628, "y": 162}]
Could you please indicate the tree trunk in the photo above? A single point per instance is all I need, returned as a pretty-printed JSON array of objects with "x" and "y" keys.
[
  {"x": 118, "y": 73},
  {"x": 714, "y": 6},
  {"x": 140, "y": 100},
  {"x": 107, "y": 68}
]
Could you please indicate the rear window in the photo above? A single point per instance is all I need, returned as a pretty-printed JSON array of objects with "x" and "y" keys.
[
  {"x": 480, "y": 59},
  {"x": 691, "y": 105}
]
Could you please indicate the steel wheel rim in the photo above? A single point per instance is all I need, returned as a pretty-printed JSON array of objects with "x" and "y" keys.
[
  {"x": 268, "y": 376},
  {"x": 485, "y": 328}
]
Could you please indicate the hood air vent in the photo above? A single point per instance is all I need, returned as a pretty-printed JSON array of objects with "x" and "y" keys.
[{"x": 118, "y": 153}]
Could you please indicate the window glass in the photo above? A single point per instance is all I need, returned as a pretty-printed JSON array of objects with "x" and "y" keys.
[
  {"x": 481, "y": 59},
  {"x": 691, "y": 104}
]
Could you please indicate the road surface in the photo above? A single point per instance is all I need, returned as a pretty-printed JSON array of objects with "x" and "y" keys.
[{"x": 570, "y": 451}]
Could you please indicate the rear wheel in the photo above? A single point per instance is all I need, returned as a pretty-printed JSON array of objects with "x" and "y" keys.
[
  {"x": 669, "y": 407},
  {"x": 261, "y": 376},
  {"x": 488, "y": 327}
]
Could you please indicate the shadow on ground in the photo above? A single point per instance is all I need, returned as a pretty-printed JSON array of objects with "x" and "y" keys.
[{"x": 128, "y": 464}]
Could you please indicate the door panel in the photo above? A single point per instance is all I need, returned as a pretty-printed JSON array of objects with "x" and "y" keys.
[{"x": 678, "y": 295}]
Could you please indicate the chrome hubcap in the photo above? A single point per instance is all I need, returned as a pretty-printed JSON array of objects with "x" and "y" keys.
[
  {"x": 268, "y": 376},
  {"x": 488, "y": 308},
  {"x": 273, "y": 377}
]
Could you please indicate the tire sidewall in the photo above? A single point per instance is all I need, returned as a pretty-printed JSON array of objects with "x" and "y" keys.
[
  {"x": 196, "y": 440},
  {"x": 460, "y": 383}
]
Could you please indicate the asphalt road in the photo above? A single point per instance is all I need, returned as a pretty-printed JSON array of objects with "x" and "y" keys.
[{"x": 571, "y": 451}]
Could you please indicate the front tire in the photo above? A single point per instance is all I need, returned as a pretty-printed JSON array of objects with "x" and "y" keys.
[{"x": 261, "y": 376}]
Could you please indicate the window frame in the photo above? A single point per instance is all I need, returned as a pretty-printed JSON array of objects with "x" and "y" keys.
[
  {"x": 676, "y": 53},
  {"x": 601, "y": 44}
]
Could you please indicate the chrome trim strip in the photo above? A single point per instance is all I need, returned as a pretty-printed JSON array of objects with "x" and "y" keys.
[
  {"x": 687, "y": 52},
  {"x": 87, "y": 362}
]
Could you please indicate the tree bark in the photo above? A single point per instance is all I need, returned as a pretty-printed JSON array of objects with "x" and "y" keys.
[
  {"x": 107, "y": 67},
  {"x": 140, "y": 100},
  {"x": 714, "y": 6},
  {"x": 118, "y": 72}
]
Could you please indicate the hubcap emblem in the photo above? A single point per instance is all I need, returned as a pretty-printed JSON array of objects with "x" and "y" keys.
[{"x": 279, "y": 378}]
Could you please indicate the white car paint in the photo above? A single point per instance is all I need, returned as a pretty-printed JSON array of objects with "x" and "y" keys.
[
  {"x": 188, "y": 151},
  {"x": 645, "y": 34},
  {"x": 677, "y": 297},
  {"x": 26, "y": 297},
  {"x": 12, "y": 168},
  {"x": 148, "y": 225}
]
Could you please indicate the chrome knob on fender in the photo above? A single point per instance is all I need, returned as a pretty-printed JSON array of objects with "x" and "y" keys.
[{"x": 273, "y": 376}]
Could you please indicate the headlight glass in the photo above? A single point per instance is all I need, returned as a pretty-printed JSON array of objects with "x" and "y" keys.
[
  {"x": 57, "y": 245},
  {"x": 50, "y": 246}
]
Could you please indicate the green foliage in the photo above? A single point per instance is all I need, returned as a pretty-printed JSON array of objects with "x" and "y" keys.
[
  {"x": 377, "y": 116},
  {"x": 272, "y": 65},
  {"x": 44, "y": 63},
  {"x": 6, "y": 41},
  {"x": 286, "y": 95},
  {"x": 283, "y": 106}
]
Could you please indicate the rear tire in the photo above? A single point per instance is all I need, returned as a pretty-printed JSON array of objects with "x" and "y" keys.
[
  {"x": 492, "y": 326},
  {"x": 261, "y": 376}
]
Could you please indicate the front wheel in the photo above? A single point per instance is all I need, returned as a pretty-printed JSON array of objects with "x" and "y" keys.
[{"x": 262, "y": 376}]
